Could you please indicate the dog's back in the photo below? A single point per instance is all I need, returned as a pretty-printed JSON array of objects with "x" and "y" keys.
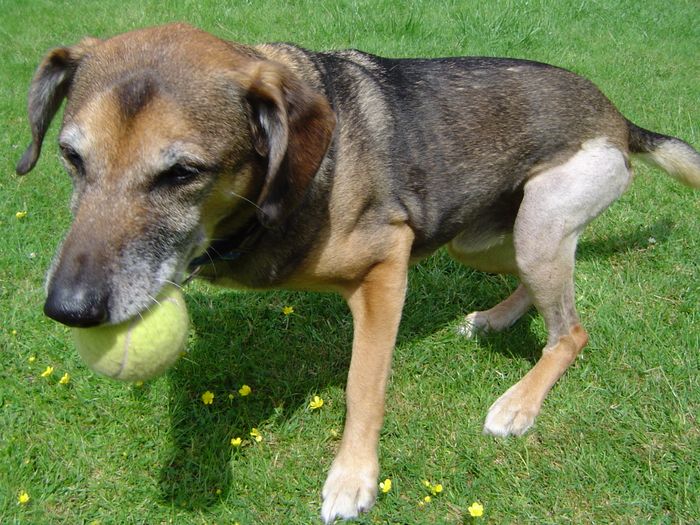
[{"x": 450, "y": 142}]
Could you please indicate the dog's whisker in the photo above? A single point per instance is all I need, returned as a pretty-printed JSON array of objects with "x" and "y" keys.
[
  {"x": 248, "y": 201},
  {"x": 168, "y": 281}
]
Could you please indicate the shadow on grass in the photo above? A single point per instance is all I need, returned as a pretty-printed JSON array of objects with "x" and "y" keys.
[
  {"x": 603, "y": 247},
  {"x": 243, "y": 338}
]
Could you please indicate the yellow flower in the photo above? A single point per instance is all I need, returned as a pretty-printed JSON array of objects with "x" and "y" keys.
[
  {"x": 244, "y": 390},
  {"x": 385, "y": 485},
  {"x": 21, "y": 214},
  {"x": 47, "y": 372},
  {"x": 138, "y": 384},
  {"x": 32, "y": 358},
  {"x": 476, "y": 510},
  {"x": 435, "y": 489},
  {"x": 65, "y": 379},
  {"x": 218, "y": 492},
  {"x": 208, "y": 397},
  {"x": 14, "y": 332},
  {"x": 288, "y": 310},
  {"x": 23, "y": 498},
  {"x": 231, "y": 396},
  {"x": 316, "y": 403},
  {"x": 427, "y": 499},
  {"x": 255, "y": 433},
  {"x": 236, "y": 442}
]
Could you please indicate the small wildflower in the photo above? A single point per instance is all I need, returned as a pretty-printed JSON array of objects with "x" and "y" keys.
[
  {"x": 316, "y": 403},
  {"x": 65, "y": 379},
  {"x": 208, "y": 397},
  {"x": 651, "y": 240},
  {"x": 334, "y": 433},
  {"x": 385, "y": 485},
  {"x": 427, "y": 499},
  {"x": 47, "y": 372},
  {"x": 21, "y": 214},
  {"x": 32, "y": 358},
  {"x": 32, "y": 255},
  {"x": 236, "y": 442},
  {"x": 23, "y": 498},
  {"x": 435, "y": 489},
  {"x": 245, "y": 390},
  {"x": 476, "y": 510},
  {"x": 288, "y": 310},
  {"x": 138, "y": 384},
  {"x": 255, "y": 433},
  {"x": 14, "y": 332},
  {"x": 231, "y": 396},
  {"x": 218, "y": 492}
]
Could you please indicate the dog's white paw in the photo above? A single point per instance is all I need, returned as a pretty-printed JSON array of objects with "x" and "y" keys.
[
  {"x": 510, "y": 415},
  {"x": 472, "y": 326},
  {"x": 348, "y": 491}
]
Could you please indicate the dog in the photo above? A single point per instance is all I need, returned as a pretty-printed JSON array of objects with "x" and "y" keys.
[{"x": 273, "y": 166}]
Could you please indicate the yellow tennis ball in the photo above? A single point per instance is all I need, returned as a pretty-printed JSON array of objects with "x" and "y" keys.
[{"x": 142, "y": 347}]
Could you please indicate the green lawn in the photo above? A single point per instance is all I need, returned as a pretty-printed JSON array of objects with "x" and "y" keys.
[{"x": 618, "y": 440}]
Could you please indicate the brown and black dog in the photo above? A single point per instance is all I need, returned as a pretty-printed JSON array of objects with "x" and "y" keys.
[{"x": 273, "y": 166}]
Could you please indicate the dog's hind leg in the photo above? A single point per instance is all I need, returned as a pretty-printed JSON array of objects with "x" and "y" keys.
[
  {"x": 498, "y": 258},
  {"x": 498, "y": 318},
  {"x": 557, "y": 205}
]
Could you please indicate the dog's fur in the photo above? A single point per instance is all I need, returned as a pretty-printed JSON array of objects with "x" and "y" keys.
[{"x": 332, "y": 171}]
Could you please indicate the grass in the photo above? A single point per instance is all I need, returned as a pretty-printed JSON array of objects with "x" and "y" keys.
[{"x": 618, "y": 438}]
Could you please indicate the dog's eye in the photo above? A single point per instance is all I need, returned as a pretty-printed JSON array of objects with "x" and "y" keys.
[
  {"x": 73, "y": 158},
  {"x": 178, "y": 175}
]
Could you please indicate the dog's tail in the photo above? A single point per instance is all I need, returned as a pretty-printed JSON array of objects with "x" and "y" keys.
[{"x": 676, "y": 157}]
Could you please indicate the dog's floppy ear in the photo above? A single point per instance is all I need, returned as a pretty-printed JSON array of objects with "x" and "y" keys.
[
  {"x": 49, "y": 87},
  {"x": 291, "y": 126}
]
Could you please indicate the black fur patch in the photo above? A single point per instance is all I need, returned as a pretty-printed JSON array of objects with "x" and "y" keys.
[{"x": 135, "y": 93}]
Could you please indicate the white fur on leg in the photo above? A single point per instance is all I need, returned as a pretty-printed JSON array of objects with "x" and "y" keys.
[
  {"x": 510, "y": 415},
  {"x": 350, "y": 489},
  {"x": 472, "y": 326}
]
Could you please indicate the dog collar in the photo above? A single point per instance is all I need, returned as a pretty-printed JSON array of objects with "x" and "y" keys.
[{"x": 230, "y": 248}]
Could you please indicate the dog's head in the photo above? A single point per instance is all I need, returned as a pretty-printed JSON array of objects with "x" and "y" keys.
[{"x": 171, "y": 137}]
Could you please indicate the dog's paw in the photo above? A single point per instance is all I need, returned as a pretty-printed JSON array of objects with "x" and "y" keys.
[
  {"x": 348, "y": 491},
  {"x": 511, "y": 415},
  {"x": 473, "y": 325}
]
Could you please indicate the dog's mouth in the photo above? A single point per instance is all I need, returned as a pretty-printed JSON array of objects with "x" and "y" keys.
[{"x": 86, "y": 294}]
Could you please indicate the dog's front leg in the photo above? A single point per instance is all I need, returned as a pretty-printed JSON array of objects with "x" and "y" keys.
[{"x": 376, "y": 304}]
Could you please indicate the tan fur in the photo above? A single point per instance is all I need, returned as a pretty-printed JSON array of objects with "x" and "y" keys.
[{"x": 376, "y": 301}]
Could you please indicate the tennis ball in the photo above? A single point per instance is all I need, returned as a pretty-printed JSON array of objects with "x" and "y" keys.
[{"x": 142, "y": 347}]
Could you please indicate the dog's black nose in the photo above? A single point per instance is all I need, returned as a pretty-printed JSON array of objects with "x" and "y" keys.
[{"x": 80, "y": 307}]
